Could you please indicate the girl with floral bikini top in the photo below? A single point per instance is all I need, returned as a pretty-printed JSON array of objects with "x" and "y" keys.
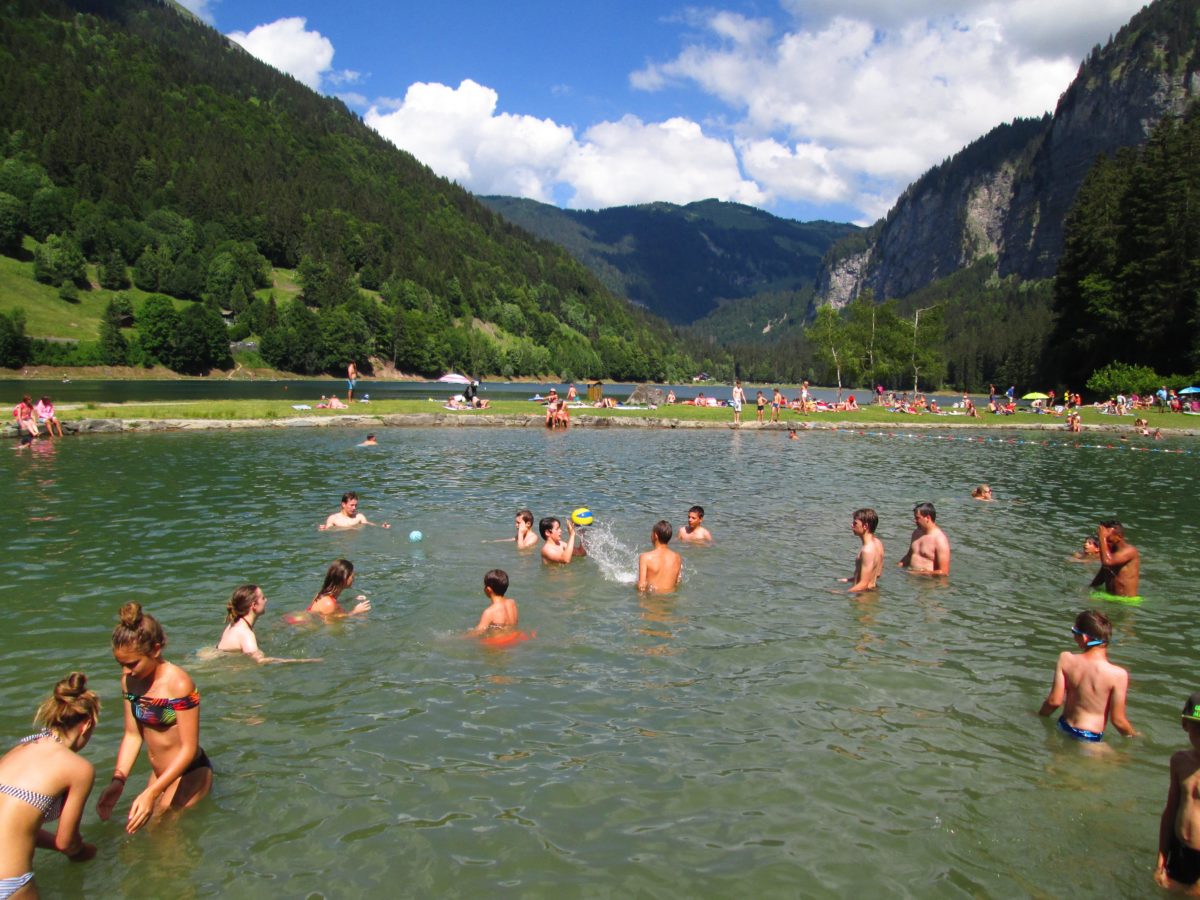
[{"x": 162, "y": 711}]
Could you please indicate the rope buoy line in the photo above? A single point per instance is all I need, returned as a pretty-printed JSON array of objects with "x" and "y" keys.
[{"x": 1073, "y": 445}]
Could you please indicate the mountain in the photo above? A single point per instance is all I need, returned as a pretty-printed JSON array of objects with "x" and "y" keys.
[
  {"x": 683, "y": 262},
  {"x": 1008, "y": 194},
  {"x": 139, "y": 140}
]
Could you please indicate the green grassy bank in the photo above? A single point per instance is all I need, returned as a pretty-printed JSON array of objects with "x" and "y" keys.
[{"x": 277, "y": 410}]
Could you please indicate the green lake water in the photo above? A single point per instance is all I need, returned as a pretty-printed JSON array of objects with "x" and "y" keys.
[{"x": 757, "y": 734}]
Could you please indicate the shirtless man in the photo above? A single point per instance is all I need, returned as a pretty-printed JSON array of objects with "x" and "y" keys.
[
  {"x": 556, "y": 550},
  {"x": 694, "y": 531},
  {"x": 1179, "y": 829},
  {"x": 738, "y": 397},
  {"x": 1087, "y": 686},
  {"x": 370, "y": 441},
  {"x": 868, "y": 564},
  {"x": 351, "y": 381},
  {"x": 929, "y": 552},
  {"x": 661, "y": 568},
  {"x": 348, "y": 516},
  {"x": 1120, "y": 562}
]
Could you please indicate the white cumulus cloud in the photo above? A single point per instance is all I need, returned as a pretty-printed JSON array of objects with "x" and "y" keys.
[
  {"x": 290, "y": 47},
  {"x": 458, "y": 133},
  {"x": 850, "y": 100}
]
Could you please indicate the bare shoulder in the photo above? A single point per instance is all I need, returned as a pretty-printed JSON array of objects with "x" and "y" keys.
[{"x": 178, "y": 682}]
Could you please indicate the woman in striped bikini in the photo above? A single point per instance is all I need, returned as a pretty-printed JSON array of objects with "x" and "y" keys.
[
  {"x": 44, "y": 778},
  {"x": 163, "y": 711}
]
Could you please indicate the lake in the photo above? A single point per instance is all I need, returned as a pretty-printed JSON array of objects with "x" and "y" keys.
[{"x": 756, "y": 734}]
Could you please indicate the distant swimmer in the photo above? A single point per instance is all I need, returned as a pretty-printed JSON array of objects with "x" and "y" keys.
[
  {"x": 338, "y": 578},
  {"x": 348, "y": 516},
  {"x": 868, "y": 564},
  {"x": 983, "y": 492},
  {"x": 694, "y": 531},
  {"x": 1120, "y": 561},
  {"x": 1089, "y": 688},
  {"x": 245, "y": 606},
  {"x": 556, "y": 550},
  {"x": 370, "y": 441},
  {"x": 660, "y": 569},
  {"x": 501, "y": 614},
  {"x": 1090, "y": 551},
  {"x": 929, "y": 552}
]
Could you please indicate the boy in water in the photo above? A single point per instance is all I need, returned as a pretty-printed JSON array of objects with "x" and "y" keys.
[
  {"x": 661, "y": 568},
  {"x": 1179, "y": 831},
  {"x": 556, "y": 550},
  {"x": 694, "y": 531},
  {"x": 868, "y": 564},
  {"x": 502, "y": 613},
  {"x": 526, "y": 536},
  {"x": 1087, "y": 686},
  {"x": 1120, "y": 561}
]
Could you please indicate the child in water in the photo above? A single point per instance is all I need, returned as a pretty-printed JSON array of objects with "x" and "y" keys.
[
  {"x": 1179, "y": 831},
  {"x": 339, "y": 577},
  {"x": 502, "y": 613},
  {"x": 1087, "y": 686}
]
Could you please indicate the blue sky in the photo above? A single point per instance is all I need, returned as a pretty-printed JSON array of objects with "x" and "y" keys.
[{"x": 806, "y": 108}]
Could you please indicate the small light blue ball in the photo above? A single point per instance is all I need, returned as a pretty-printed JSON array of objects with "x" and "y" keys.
[{"x": 415, "y": 536}]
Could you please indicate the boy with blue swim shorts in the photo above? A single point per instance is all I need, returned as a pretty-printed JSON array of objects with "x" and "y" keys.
[
  {"x": 1087, "y": 686},
  {"x": 1179, "y": 829}
]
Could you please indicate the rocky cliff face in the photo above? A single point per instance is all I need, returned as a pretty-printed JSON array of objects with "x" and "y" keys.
[{"x": 1008, "y": 194}]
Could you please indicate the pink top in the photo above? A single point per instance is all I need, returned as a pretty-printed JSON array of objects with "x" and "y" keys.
[{"x": 45, "y": 410}]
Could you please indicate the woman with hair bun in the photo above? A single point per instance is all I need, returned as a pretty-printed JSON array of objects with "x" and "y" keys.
[
  {"x": 163, "y": 711},
  {"x": 44, "y": 778},
  {"x": 242, "y": 611}
]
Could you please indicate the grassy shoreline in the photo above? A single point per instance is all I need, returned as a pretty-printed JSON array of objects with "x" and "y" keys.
[{"x": 85, "y": 417}]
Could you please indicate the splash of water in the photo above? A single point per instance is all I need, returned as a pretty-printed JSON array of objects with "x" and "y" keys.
[{"x": 616, "y": 561}]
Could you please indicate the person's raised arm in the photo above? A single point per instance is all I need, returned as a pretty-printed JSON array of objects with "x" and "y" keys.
[{"x": 131, "y": 745}]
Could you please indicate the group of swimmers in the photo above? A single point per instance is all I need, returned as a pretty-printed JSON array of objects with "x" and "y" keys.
[{"x": 44, "y": 777}]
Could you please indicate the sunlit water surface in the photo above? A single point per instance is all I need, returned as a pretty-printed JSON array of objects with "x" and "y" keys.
[{"x": 756, "y": 734}]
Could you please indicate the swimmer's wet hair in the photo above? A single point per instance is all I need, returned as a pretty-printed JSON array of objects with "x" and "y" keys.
[
  {"x": 1094, "y": 624},
  {"x": 663, "y": 530},
  {"x": 239, "y": 604},
  {"x": 868, "y": 517},
  {"x": 525, "y": 515},
  {"x": 349, "y": 495},
  {"x": 926, "y": 509},
  {"x": 1115, "y": 525},
  {"x": 337, "y": 578},
  {"x": 547, "y": 525},
  {"x": 698, "y": 510},
  {"x": 71, "y": 704},
  {"x": 138, "y": 629},
  {"x": 497, "y": 581}
]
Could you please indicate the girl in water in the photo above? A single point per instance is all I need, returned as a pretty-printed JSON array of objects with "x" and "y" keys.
[
  {"x": 243, "y": 610},
  {"x": 44, "y": 778},
  {"x": 163, "y": 712},
  {"x": 339, "y": 577}
]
